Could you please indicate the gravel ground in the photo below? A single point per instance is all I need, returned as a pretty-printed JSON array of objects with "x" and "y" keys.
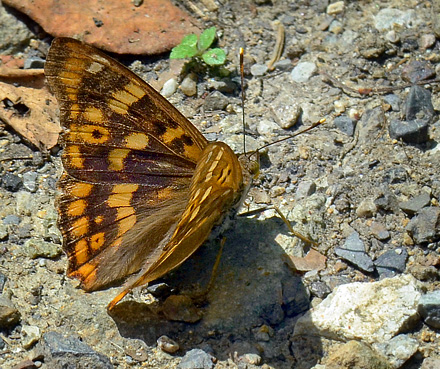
[{"x": 366, "y": 180}]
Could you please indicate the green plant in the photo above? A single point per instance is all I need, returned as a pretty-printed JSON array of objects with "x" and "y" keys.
[{"x": 197, "y": 48}]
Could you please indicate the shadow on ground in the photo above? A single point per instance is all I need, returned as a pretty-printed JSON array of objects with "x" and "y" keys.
[{"x": 251, "y": 308}]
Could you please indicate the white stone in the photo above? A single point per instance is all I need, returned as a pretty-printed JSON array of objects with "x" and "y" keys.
[
  {"x": 371, "y": 312},
  {"x": 169, "y": 87},
  {"x": 303, "y": 71}
]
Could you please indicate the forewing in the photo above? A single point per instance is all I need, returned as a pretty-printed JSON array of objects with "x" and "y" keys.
[
  {"x": 127, "y": 153},
  {"x": 216, "y": 187}
]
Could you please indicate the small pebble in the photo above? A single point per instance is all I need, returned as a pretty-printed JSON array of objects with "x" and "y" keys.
[
  {"x": 196, "y": 359},
  {"x": 391, "y": 262},
  {"x": 30, "y": 181},
  {"x": 252, "y": 359},
  {"x": 336, "y": 8},
  {"x": 216, "y": 101},
  {"x": 303, "y": 71},
  {"x": 257, "y": 70},
  {"x": 415, "y": 204},
  {"x": 392, "y": 36},
  {"x": 169, "y": 87},
  {"x": 30, "y": 335},
  {"x": 277, "y": 191},
  {"x": 345, "y": 124},
  {"x": 366, "y": 209},
  {"x": 427, "y": 41},
  {"x": 353, "y": 251},
  {"x": 167, "y": 344},
  {"x": 429, "y": 308},
  {"x": 189, "y": 85},
  {"x": 181, "y": 308}
]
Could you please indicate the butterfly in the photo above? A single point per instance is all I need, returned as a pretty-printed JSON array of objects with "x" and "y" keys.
[{"x": 142, "y": 188}]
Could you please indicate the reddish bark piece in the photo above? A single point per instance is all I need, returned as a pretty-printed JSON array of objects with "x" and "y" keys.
[
  {"x": 112, "y": 25},
  {"x": 32, "y": 113},
  {"x": 312, "y": 261}
]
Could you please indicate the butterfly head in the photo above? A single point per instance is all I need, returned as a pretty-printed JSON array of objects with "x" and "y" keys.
[{"x": 251, "y": 166}]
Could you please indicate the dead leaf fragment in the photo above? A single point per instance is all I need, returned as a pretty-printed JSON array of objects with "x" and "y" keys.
[
  {"x": 32, "y": 113},
  {"x": 312, "y": 261},
  {"x": 112, "y": 25}
]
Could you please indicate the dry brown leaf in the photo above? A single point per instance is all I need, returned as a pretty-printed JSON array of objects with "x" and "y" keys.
[
  {"x": 312, "y": 261},
  {"x": 32, "y": 113},
  {"x": 154, "y": 27}
]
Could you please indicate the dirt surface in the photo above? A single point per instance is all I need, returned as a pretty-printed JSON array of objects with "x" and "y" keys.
[{"x": 329, "y": 183}]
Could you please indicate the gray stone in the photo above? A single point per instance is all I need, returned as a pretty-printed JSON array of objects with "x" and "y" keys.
[
  {"x": 69, "y": 352},
  {"x": 391, "y": 262},
  {"x": 345, "y": 124},
  {"x": 286, "y": 111},
  {"x": 416, "y": 204},
  {"x": 30, "y": 181},
  {"x": 398, "y": 349},
  {"x": 353, "y": 251},
  {"x": 395, "y": 175},
  {"x": 3, "y": 280},
  {"x": 15, "y": 33},
  {"x": 387, "y": 201},
  {"x": 425, "y": 226},
  {"x": 9, "y": 315},
  {"x": 429, "y": 308},
  {"x": 319, "y": 289},
  {"x": 216, "y": 101},
  {"x": 379, "y": 231},
  {"x": 196, "y": 359},
  {"x": 419, "y": 105},
  {"x": 11, "y": 182},
  {"x": 258, "y": 70},
  {"x": 33, "y": 62},
  {"x": 226, "y": 85},
  {"x": 284, "y": 65},
  {"x": 373, "y": 312},
  {"x": 305, "y": 189},
  {"x": 393, "y": 100},
  {"x": 415, "y": 71},
  {"x": 371, "y": 124},
  {"x": 412, "y": 132},
  {"x": 388, "y": 18},
  {"x": 303, "y": 71},
  {"x": 36, "y": 247},
  {"x": 11, "y": 220}
]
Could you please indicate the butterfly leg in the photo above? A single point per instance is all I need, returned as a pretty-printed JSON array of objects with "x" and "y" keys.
[
  {"x": 202, "y": 294},
  {"x": 296, "y": 234}
]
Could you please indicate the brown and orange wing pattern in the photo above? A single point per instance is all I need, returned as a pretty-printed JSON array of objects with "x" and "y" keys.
[
  {"x": 216, "y": 187},
  {"x": 129, "y": 155}
]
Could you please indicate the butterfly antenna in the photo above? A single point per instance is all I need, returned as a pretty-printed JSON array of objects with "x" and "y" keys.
[
  {"x": 314, "y": 125},
  {"x": 242, "y": 98}
]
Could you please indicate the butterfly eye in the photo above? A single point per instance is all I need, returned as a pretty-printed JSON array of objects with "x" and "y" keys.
[{"x": 254, "y": 168}]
